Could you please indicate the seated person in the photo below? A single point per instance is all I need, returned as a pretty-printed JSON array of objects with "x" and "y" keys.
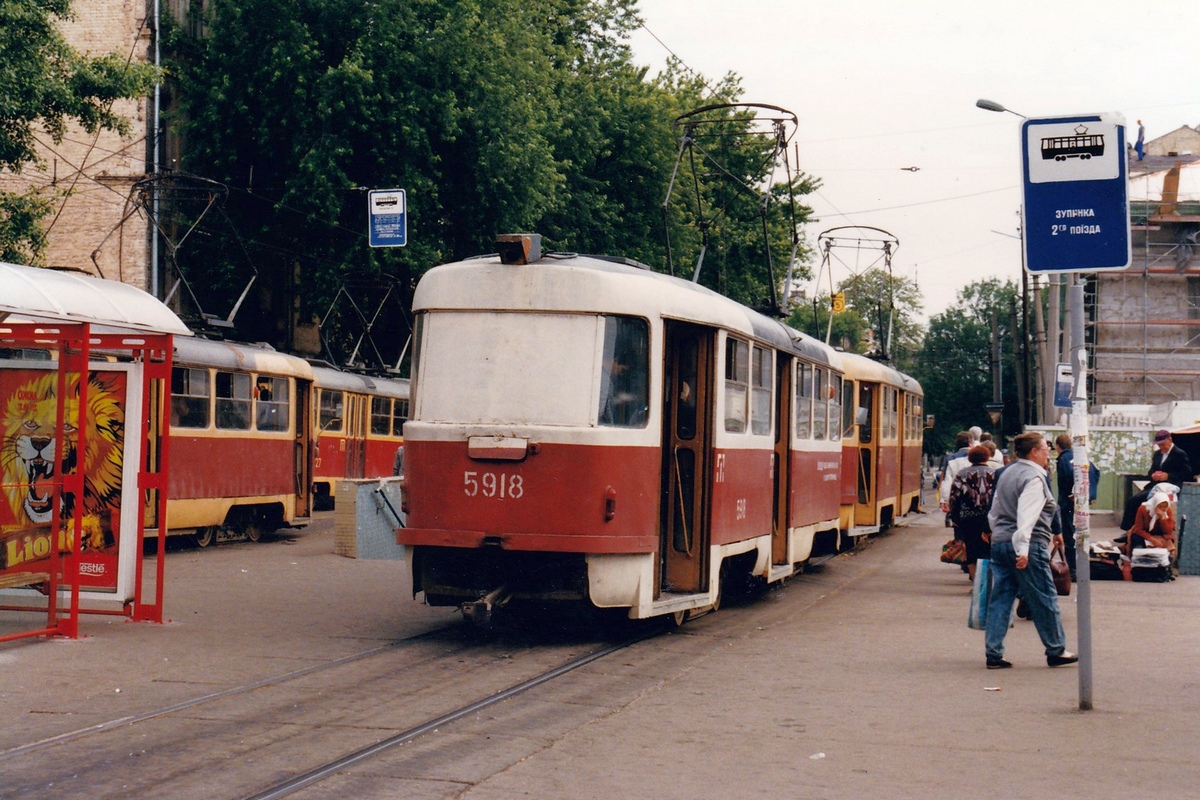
[{"x": 1153, "y": 526}]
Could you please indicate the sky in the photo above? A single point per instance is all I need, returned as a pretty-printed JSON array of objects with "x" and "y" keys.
[{"x": 880, "y": 86}]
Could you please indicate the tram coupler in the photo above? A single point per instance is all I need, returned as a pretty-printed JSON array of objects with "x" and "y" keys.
[{"x": 479, "y": 612}]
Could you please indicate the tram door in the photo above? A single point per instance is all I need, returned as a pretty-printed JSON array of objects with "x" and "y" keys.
[
  {"x": 782, "y": 468},
  {"x": 687, "y": 448},
  {"x": 868, "y": 442},
  {"x": 355, "y": 431},
  {"x": 303, "y": 455}
]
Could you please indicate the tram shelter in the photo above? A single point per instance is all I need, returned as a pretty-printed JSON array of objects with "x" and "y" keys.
[{"x": 85, "y": 459}]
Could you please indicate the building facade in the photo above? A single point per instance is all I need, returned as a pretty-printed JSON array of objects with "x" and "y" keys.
[
  {"x": 90, "y": 178},
  {"x": 1144, "y": 322}
]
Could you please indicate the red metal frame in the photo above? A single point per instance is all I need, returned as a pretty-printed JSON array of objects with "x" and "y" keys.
[{"x": 74, "y": 344}]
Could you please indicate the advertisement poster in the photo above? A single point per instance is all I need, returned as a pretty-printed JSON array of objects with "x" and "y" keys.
[{"x": 28, "y": 403}]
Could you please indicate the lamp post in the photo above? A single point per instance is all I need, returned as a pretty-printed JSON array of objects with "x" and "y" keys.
[{"x": 1079, "y": 434}]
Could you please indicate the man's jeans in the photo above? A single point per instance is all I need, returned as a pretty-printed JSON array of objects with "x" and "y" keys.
[{"x": 1036, "y": 585}]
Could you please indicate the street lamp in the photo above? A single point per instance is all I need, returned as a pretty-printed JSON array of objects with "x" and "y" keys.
[
  {"x": 1078, "y": 429},
  {"x": 992, "y": 105}
]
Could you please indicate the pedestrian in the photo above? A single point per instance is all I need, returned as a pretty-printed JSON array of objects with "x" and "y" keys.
[
  {"x": 970, "y": 497},
  {"x": 1064, "y": 468},
  {"x": 1140, "y": 147},
  {"x": 1169, "y": 464},
  {"x": 954, "y": 462},
  {"x": 995, "y": 458},
  {"x": 1021, "y": 518}
]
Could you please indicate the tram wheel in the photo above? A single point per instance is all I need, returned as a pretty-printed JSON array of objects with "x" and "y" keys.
[
  {"x": 205, "y": 536},
  {"x": 253, "y": 532}
]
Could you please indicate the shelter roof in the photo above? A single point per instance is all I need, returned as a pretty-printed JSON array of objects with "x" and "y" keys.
[{"x": 32, "y": 294}]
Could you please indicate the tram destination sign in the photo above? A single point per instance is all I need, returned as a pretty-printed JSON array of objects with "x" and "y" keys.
[
  {"x": 388, "y": 223},
  {"x": 1075, "y": 214}
]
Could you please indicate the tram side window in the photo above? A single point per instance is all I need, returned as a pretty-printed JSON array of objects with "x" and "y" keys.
[
  {"x": 271, "y": 403},
  {"x": 737, "y": 380},
  {"x": 893, "y": 418},
  {"x": 820, "y": 402},
  {"x": 399, "y": 415},
  {"x": 835, "y": 406},
  {"x": 847, "y": 408},
  {"x": 381, "y": 415},
  {"x": 189, "y": 397},
  {"x": 866, "y": 412},
  {"x": 885, "y": 423},
  {"x": 803, "y": 400},
  {"x": 625, "y": 373},
  {"x": 760, "y": 393},
  {"x": 329, "y": 415},
  {"x": 233, "y": 401}
]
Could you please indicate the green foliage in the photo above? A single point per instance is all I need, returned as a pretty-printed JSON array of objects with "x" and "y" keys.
[
  {"x": 494, "y": 115},
  {"x": 954, "y": 364},
  {"x": 878, "y": 306},
  {"x": 22, "y": 238},
  {"x": 45, "y": 83}
]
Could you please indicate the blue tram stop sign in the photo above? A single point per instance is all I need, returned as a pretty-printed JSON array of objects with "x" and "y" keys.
[
  {"x": 1075, "y": 215},
  {"x": 388, "y": 225}
]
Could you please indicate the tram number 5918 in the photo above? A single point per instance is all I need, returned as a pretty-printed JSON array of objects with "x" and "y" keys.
[{"x": 493, "y": 484}]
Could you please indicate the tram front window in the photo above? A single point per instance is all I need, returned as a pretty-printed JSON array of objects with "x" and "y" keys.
[{"x": 533, "y": 368}]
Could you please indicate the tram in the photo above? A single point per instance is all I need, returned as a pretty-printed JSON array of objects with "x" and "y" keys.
[
  {"x": 240, "y": 441},
  {"x": 358, "y": 427},
  {"x": 585, "y": 429},
  {"x": 259, "y": 438}
]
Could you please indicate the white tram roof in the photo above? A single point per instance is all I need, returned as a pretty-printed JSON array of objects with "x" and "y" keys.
[
  {"x": 330, "y": 378},
  {"x": 863, "y": 368},
  {"x": 579, "y": 283},
  {"x": 239, "y": 357},
  {"x": 33, "y": 294}
]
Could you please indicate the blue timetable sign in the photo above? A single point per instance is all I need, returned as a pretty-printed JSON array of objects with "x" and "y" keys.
[
  {"x": 388, "y": 224},
  {"x": 1075, "y": 214}
]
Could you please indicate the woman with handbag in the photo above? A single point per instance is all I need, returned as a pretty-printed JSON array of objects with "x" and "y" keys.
[{"x": 970, "y": 497}]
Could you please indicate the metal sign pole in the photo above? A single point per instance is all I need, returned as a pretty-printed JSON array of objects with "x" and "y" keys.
[{"x": 1079, "y": 449}]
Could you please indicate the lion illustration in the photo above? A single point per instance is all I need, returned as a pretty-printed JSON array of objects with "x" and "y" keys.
[{"x": 30, "y": 446}]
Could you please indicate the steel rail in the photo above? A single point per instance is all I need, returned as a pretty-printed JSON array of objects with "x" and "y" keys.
[
  {"x": 134, "y": 719},
  {"x": 317, "y": 774}
]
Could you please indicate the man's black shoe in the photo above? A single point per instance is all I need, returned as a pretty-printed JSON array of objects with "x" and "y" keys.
[
  {"x": 1022, "y": 609},
  {"x": 1062, "y": 659},
  {"x": 998, "y": 663}
]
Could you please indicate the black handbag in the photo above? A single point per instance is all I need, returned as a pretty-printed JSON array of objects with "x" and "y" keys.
[{"x": 1059, "y": 570}]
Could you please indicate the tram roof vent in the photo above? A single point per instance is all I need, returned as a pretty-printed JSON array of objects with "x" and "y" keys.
[{"x": 519, "y": 248}]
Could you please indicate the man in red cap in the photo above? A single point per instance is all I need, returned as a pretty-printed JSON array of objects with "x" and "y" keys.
[{"x": 1170, "y": 464}]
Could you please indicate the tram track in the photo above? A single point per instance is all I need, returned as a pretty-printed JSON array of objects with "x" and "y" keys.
[
  {"x": 341, "y": 763},
  {"x": 224, "y": 694},
  {"x": 284, "y": 727}
]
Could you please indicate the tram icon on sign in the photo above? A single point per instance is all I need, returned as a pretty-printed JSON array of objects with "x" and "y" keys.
[{"x": 1081, "y": 145}]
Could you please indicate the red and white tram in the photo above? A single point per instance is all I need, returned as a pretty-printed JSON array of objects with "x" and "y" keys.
[
  {"x": 260, "y": 438},
  {"x": 358, "y": 427},
  {"x": 239, "y": 440},
  {"x": 583, "y": 428},
  {"x": 881, "y": 445}
]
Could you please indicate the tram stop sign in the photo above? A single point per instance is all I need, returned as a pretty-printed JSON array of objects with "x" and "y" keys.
[
  {"x": 388, "y": 225},
  {"x": 1075, "y": 214}
]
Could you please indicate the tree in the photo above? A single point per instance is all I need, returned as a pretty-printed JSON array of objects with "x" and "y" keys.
[
  {"x": 880, "y": 308},
  {"x": 494, "y": 115},
  {"x": 955, "y": 365},
  {"x": 46, "y": 84}
]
